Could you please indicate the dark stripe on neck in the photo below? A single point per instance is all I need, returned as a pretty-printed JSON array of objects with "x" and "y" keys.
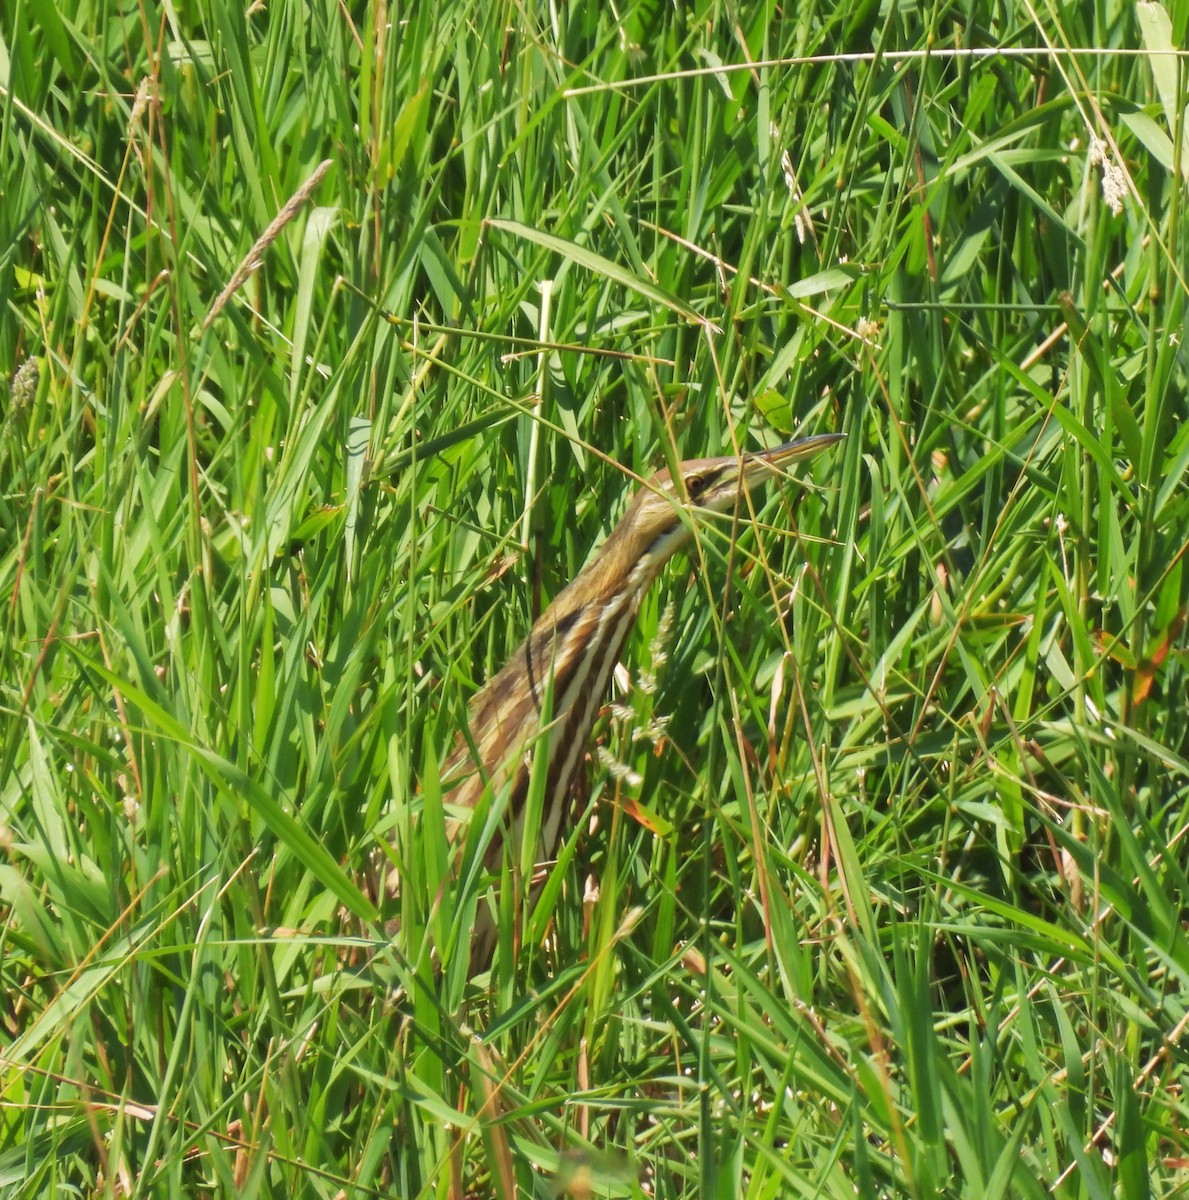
[{"x": 544, "y": 648}]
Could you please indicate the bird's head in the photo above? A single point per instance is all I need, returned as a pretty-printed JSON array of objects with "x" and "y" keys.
[{"x": 660, "y": 514}]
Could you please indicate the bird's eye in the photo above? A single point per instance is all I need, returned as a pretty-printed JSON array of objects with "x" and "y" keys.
[{"x": 695, "y": 485}]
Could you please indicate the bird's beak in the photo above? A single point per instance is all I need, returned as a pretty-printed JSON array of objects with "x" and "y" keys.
[{"x": 783, "y": 456}]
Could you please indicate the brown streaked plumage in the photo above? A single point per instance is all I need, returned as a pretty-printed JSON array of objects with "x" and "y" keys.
[{"x": 564, "y": 665}]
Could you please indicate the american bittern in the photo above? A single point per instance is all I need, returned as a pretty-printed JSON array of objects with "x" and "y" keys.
[{"x": 546, "y": 698}]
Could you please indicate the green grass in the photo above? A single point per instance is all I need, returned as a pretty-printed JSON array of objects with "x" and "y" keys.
[{"x": 913, "y": 922}]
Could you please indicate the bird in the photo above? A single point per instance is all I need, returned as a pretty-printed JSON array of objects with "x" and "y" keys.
[{"x": 547, "y": 696}]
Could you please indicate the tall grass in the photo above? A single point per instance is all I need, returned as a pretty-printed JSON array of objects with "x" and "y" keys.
[{"x": 335, "y": 337}]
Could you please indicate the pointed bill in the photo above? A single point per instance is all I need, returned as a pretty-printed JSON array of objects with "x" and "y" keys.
[{"x": 795, "y": 451}]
